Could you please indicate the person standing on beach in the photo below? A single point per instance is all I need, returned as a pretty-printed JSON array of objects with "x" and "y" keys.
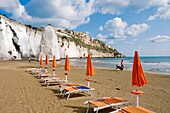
[{"x": 122, "y": 64}]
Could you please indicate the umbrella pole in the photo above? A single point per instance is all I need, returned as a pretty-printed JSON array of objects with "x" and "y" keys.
[
  {"x": 46, "y": 69},
  {"x": 66, "y": 78},
  {"x": 137, "y": 100},
  {"x": 88, "y": 82},
  {"x": 66, "y": 74},
  {"x": 137, "y": 93},
  {"x": 53, "y": 71}
]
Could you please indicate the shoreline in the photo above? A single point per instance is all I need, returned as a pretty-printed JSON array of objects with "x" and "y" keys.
[
  {"x": 149, "y": 72},
  {"x": 22, "y": 92}
]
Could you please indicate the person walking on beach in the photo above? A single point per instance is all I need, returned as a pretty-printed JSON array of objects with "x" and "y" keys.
[{"x": 121, "y": 65}]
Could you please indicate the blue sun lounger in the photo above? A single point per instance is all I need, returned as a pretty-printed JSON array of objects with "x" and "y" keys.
[{"x": 76, "y": 89}]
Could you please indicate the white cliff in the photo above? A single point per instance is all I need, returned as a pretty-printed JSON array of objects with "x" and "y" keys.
[
  {"x": 9, "y": 48},
  {"x": 18, "y": 41}
]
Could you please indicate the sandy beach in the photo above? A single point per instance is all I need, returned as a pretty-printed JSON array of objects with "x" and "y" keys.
[{"x": 21, "y": 92}]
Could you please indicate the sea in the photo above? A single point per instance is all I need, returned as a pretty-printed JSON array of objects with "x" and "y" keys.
[{"x": 151, "y": 64}]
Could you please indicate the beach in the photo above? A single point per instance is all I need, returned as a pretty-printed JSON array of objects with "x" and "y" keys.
[{"x": 21, "y": 92}]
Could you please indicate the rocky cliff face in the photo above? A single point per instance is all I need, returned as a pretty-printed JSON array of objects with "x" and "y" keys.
[{"x": 18, "y": 41}]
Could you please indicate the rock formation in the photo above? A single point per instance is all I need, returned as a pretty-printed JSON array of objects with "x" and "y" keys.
[{"x": 49, "y": 43}]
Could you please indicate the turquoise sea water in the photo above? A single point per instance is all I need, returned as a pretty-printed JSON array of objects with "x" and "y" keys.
[{"x": 154, "y": 64}]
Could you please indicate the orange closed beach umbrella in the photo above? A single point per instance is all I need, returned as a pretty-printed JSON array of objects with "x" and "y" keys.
[
  {"x": 67, "y": 67},
  {"x": 54, "y": 64},
  {"x": 67, "y": 64},
  {"x": 41, "y": 62},
  {"x": 138, "y": 76},
  {"x": 90, "y": 69},
  {"x": 46, "y": 62}
]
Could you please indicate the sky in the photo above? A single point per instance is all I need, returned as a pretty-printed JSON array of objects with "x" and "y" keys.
[{"x": 126, "y": 25}]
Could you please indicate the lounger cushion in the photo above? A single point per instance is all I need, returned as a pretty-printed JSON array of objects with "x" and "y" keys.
[
  {"x": 82, "y": 87},
  {"x": 98, "y": 103},
  {"x": 133, "y": 109}
]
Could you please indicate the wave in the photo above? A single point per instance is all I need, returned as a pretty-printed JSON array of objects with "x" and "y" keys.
[
  {"x": 150, "y": 62},
  {"x": 157, "y": 63}
]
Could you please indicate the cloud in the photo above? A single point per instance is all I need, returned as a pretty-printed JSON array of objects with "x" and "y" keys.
[
  {"x": 140, "y": 5},
  {"x": 110, "y": 6},
  {"x": 128, "y": 42},
  {"x": 101, "y": 28},
  {"x": 106, "y": 39},
  {"x": 69, "y": 13},
  {"x": 15, "y": 8},
  {"x": 162, "y": 51},
  {"x": 111, "y": 42},
  {"x": 117, "y": 6},
  {"x": 59, "y": 13},
  {"x": 115, "y": 23},
  {"x": 116, "y": 26},
  {"x": 160, "y": 38},
  {"x": 120, "y": 29},
  {"x": 101, "y": 37},
  {"x": 135, "y": 29},
  {"x": 162, "y": 13}
]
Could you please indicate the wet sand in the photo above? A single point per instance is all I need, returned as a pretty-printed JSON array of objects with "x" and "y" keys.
[{"x": 21, "y": 92}]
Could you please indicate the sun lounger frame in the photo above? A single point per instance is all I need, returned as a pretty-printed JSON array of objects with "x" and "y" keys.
[
  {"x": 76, "y": 90},
  {"x": 96, "y": 109}
]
